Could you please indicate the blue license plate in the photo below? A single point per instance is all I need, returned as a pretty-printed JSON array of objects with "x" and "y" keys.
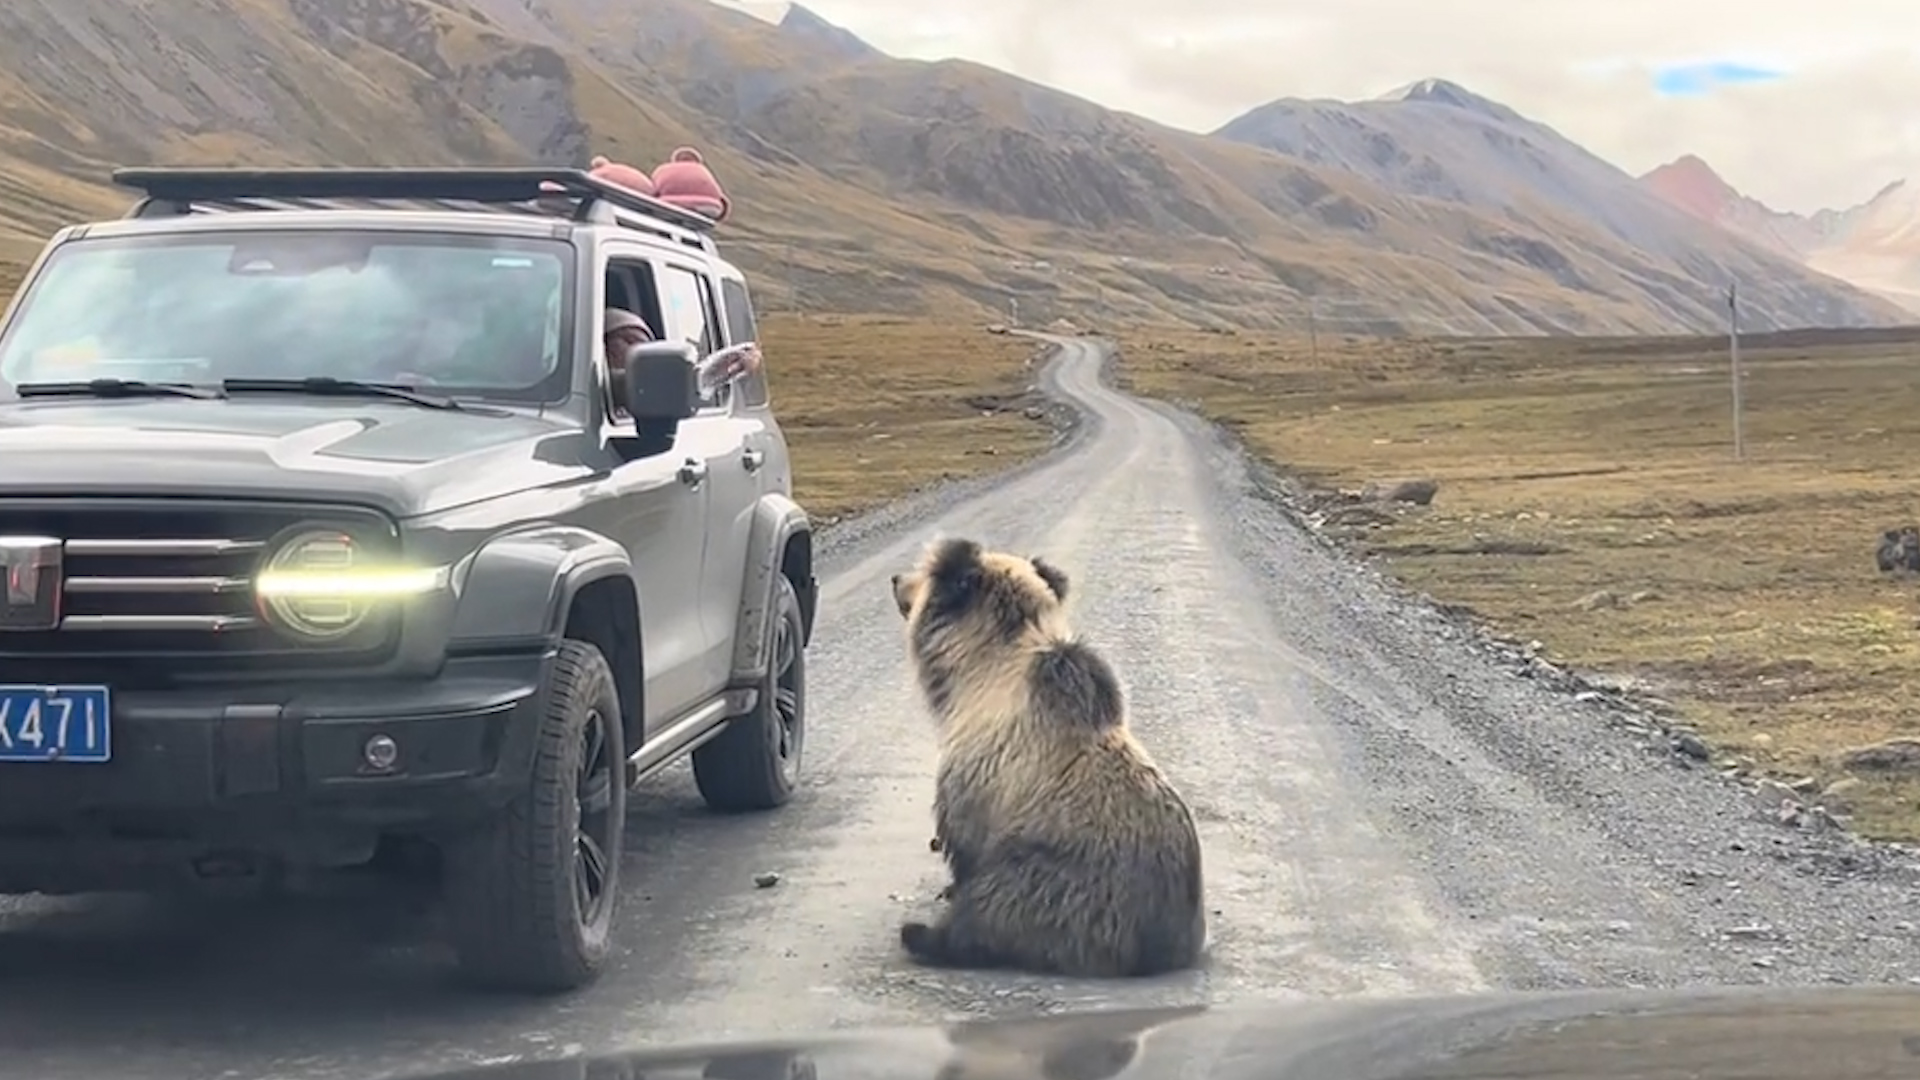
[{"x": 55, "y": 723}]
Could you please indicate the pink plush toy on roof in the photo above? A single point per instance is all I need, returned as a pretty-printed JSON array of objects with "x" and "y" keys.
[
  {"x": 686, "y": 182},
  {"x": 625, "y": 175}
]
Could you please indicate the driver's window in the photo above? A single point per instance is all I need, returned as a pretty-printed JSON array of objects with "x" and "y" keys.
[
  {"x": 629, "y": 288},
  {"x": 688, "y": 299},
  {"x": 611, "y": 391}
]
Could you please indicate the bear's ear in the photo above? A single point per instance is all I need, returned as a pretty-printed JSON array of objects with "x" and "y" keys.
[
  {"x": 1055, "y": 577},
  {"x": 953, "y": 556}
]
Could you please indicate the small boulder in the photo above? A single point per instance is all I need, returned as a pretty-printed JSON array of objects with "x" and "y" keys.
[
  {"x": 1841, "y": 796},
  {"x": 1595, "y": 601},
  {"x": 1419, "y": 492},
  {"x": 1894, "y": 755}
]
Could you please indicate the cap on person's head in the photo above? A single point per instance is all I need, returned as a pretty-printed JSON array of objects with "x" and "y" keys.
[{"x": 622, "y": 319}]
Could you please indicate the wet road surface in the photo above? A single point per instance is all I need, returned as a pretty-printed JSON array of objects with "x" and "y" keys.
[{"x": 1383, "y": 812}]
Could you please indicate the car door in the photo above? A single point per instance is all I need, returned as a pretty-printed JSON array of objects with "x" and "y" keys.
[
  {"x": 726, "y": 439},
  {"x": 660, "y": 516},
  {"x": 750, "y": 397}
]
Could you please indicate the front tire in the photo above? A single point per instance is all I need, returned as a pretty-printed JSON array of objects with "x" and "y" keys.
[
  {"x": 531, "y": 896},
  {"x": 755, "y": 763}
]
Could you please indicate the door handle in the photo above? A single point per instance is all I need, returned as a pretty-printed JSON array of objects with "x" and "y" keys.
[
  {"x": 693, "y": 472},
  {"x": 753, "y": 458}
]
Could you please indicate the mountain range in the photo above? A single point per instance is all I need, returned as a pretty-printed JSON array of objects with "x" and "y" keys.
[
  {"x": 865, "y": 182},
  {"x": 1875, "y": 244}
]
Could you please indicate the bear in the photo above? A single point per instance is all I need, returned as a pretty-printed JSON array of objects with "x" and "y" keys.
[{"x": 1070, "y": 852}]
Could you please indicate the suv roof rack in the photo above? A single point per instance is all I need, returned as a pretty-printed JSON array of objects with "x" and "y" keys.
[{"x": 585, "y": 198}]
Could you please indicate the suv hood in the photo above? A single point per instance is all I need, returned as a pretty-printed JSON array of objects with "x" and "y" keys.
[
  {"x": 1828, "y": 1033},
  {"x": 401, "y": 458}
]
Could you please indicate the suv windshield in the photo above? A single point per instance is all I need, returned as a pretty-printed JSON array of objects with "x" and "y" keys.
[{"x": 482, "y": 316}]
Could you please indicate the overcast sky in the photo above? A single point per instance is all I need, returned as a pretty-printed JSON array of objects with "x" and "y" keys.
[{"x": 1818, "y": 103}]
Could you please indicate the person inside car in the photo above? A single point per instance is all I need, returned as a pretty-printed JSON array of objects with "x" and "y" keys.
[{"x": 623, "y": 330}]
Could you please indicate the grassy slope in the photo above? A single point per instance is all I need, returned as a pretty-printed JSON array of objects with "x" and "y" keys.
[
  {"x": 403, "y": 81},
  {"x": 1589, "y": 500},
  {"x": 1217, "y": 229},
  {"x": 876, "y": 407}
]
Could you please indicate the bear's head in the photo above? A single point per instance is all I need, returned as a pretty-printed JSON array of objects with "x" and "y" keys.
[
  {"x": 974, "y": 618},
  {"x": 959, "y": 582}
]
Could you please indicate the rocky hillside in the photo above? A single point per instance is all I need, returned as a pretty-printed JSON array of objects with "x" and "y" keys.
[
  {"x": 860, "y": 181},
  {"x": 1875, "y": 245},
  {"x": 1691, "y": 185},
  {"x": 1559, "y": 208}
]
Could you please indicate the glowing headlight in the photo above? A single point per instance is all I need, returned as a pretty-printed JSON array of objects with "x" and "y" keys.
[{"x": 320, "y": 586}]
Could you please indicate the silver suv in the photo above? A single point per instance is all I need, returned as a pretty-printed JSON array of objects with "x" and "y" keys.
[{"x": 329, "y": 532}]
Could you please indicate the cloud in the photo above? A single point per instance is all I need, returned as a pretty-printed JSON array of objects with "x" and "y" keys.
[
  {"x": 1833, "y": 132},
  {"x": 1691, "y": 80}
]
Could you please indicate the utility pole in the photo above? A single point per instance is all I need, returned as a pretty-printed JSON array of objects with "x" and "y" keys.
[
  {"x": 1013, "y": 310},
  {"x": 1733, "y": 363},
  {"x": 793, "y": 283},
  {"x": 1313, "y": 328}
]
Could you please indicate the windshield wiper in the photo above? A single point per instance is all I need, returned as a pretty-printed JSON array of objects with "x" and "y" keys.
[
  {"x": 324, "y": 386},
  {"x": 117, "y": 388}
]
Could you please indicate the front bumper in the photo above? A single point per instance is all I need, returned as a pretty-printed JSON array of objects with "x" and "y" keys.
[{"x": 245, "y": 760}]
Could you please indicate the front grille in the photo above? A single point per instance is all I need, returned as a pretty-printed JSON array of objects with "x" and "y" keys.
[
  {"x": 169, "y": 577},
  {"x": 183, "y": 585}
]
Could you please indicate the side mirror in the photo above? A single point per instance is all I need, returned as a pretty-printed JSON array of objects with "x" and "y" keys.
[{"x": 662, "y": 383}]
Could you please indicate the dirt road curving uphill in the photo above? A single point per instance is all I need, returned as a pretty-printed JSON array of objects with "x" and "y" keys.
[{"x": 1384, "y": 809}]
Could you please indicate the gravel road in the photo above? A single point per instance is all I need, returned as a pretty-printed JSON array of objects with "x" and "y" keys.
[{"x": 1387, "y": 807}]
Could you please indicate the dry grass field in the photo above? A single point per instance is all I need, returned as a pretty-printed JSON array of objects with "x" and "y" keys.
[
  {"x": 1589, "y": 499},
  {"x": 875, "y": 407}
]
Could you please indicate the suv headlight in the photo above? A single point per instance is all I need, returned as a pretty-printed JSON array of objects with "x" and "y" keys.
[{"x": 322, "y": 586}]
